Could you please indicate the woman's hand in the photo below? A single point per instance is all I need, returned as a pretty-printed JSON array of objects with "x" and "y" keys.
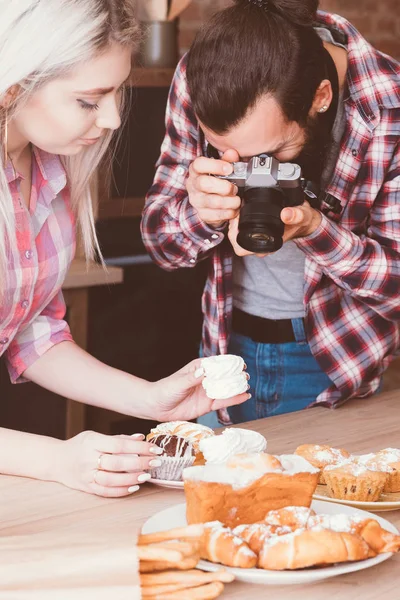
[
  {"x": 110, "y": 466},
  {"x": 182, "y": 397}
]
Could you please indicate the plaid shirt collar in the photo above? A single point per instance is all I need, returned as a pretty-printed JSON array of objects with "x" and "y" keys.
[
  {"x": 50, "y": 168},
  {"x": 361, "y": 78}
]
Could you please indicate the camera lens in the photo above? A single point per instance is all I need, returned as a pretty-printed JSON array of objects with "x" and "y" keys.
[{"x": 260, "y": 226}]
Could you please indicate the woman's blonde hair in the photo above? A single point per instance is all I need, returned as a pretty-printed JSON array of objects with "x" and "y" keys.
[{"x": 41, "y": 40}]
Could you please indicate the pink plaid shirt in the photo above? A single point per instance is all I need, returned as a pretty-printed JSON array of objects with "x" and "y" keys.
[
  {"x": 352, "y": 272},
  {"x": 32, "y": 313}
]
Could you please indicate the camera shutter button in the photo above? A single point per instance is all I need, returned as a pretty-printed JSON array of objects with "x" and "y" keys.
[{"x": 287, "y": 169}]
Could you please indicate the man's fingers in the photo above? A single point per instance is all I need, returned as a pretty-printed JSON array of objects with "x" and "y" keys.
[
  {"x": 292, "y": 216},
  {"x": 203, "y": 165},
  {"x": 230, "y": 156},
  {"x": 217, "y": 216},
  {"x": 213, "y": 185}
]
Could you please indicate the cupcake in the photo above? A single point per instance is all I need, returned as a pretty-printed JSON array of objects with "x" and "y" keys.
[
  {"x": 224, "y": 376},
  {"x": 354, "y": 481},
  {"x": 386, "y": 461},
  {"x": 246, "y": 487},
  {"x": 180, "y": 443},
  {"x": 322, "y": 456}
]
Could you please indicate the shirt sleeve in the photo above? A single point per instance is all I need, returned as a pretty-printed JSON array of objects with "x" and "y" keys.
[
  {"x": 172, "y": 232},
  {"x": 366, "y": 266},
  {"x": 47, "y": 330}
]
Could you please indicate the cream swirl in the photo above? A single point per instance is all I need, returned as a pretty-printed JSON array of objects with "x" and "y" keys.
[
  {"x": 224, "y": 376},
  {"x": 219, "y": 448}
]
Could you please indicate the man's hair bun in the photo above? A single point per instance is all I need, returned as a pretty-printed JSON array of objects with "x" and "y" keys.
[{"x": 299, "y": 12}]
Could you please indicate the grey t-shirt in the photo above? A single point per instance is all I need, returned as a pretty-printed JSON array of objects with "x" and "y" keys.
[{"x": 272, "y": 287}]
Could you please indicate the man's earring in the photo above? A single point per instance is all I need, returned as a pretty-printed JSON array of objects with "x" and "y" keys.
[{"x": 323, "y": 109}]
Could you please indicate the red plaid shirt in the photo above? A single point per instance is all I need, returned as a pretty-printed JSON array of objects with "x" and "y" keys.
[
  {"x": 352, "y": 271},
  {"x": 31, "y": 315}
]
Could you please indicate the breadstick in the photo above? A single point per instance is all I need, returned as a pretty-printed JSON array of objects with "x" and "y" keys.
[
  {"x": 158, "y": 565},
  {"x": 204, "y": 592},
  {"x": 179, "y": 533},
  {"x": 158, "y": 553},
  {"x": 188, "y": 577},
  {"x": 152, "y": 591},
  {"x": 187, "y": 548}
]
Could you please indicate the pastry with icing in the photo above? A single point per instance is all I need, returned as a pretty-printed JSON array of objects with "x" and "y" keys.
[
  {"x": 354, "y": 481},
  {"x": 322, "y": 456},
  {"x": 180, "y": 442},
  {"x": 246, "y": 487}
]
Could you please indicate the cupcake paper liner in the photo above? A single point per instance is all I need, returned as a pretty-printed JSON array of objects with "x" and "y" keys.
[
  {"x": 171, "y": 468},
  {"x": 347, "y": 487}
]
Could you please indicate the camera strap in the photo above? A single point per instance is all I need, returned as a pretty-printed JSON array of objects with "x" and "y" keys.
[{"x": 321, "y": 200}]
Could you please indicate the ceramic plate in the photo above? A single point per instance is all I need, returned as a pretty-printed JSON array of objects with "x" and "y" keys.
[
  {"x": 168, "y": 484},
  {"x": 175, "y": 516},
  {"x": 385, "y": 503}
]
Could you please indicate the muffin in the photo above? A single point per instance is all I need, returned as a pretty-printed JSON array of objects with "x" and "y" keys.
[
  {"x": 246, "y": 487},
  {"x": 180, "y": 442},
  {"x": 354, "y": 481},
  {"x": 386, "y": 461},
  {"x": 322, "y": 456}
]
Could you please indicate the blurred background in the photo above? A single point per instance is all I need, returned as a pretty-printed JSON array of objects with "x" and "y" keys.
[{"x": 149, "y": 322}]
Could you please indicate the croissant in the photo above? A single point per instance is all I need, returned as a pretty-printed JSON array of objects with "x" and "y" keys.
[
  {"x": 307, "y": 548},
  {"x": 256, "y": 534},
  {"x": 221, "y": 545},
  {"x": 377, "y": 538},
  {"x": 294, "y": 517}
]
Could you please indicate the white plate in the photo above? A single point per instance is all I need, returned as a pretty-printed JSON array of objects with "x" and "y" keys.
[
  {"x": 385, "y": 503},
  {"x": 175, "y": 516},
  {"x": 168, "y": 484}
]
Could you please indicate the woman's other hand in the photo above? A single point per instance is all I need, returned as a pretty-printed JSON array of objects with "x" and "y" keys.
[{"x": 110, "y": 466}]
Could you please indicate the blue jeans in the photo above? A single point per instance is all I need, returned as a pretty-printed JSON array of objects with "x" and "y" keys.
[{"x": 283, "y": 377}]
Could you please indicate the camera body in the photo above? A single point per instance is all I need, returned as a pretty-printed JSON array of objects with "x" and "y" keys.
[{"x": 266, "y": 186}]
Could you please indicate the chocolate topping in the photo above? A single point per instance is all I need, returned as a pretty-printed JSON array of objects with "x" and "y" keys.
[{"x": 173, "y": 445}]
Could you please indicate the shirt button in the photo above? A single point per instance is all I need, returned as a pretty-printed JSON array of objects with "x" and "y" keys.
[
  {"x": 4, "y": 341},
  {"x": 354, "y": 152},
  {"x": 25, "y": 303},
  {"x": 215, "y": 236},
  {"x": 181, "y": 171},
  {"x": 192, "y": 260},
  {"x": 28, "y": 254}
]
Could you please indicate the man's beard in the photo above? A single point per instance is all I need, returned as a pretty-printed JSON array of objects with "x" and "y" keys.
[{"x": 319, "y": 141}]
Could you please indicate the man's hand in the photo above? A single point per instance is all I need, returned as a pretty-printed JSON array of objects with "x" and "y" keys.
[
  {"x": 299, "y": 221},
  {"x": 216, "y": 200}
]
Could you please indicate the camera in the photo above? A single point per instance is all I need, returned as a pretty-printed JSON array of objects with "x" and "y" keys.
[{"x": 266, "y": 186}]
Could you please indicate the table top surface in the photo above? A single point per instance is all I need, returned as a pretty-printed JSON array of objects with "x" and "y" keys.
[{"x": 360, "y": 426}]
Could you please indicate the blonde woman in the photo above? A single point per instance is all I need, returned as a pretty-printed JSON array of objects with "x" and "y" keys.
[{"x": 63, "y": 64}]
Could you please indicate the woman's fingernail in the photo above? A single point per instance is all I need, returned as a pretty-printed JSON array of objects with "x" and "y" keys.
[
  {"x": 155, "y": 463},
  {"x": 199, "y": 372},
  {"x": 248, "y": 396},
  {"x": 156, "y": 450},
  {"x": 144, "y": 477},
  {"x": 227, "y": 169},
  {"x": 138, "y": 436},
  {"x": 133, "y": 489},
  {"x": 288, "y": 214}
]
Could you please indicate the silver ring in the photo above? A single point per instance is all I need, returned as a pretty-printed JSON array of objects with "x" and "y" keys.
[
  {"x": 99, "y": 467},
  {"x": 94, "y": 475}
]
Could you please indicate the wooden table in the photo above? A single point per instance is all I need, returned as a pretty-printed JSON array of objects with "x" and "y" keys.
[{"x": 28, "y": 506}]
